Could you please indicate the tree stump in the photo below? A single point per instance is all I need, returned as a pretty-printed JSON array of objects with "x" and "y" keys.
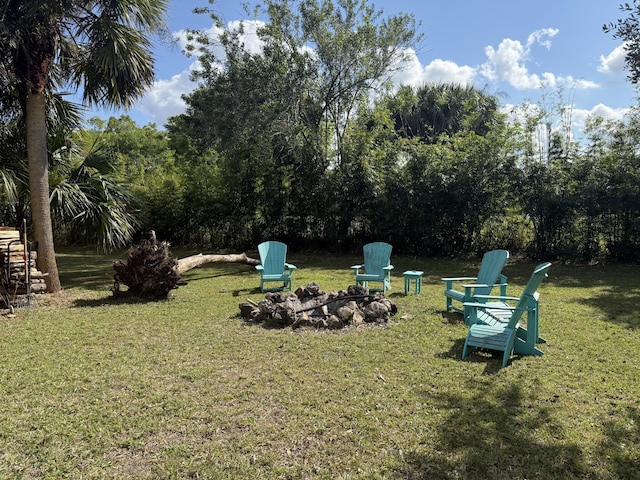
[{"x": 152, "y": 272}]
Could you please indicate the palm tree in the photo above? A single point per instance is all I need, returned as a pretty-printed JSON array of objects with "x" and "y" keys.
[
  {"x": 434, "y": 110},
  {"x": 101, "y": 46},
  {"x": 87, "y": 203},
  {"x": 63, "y": 117}
]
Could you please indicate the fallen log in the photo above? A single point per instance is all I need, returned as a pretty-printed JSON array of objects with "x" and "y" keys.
[{"x": 187, "y": 263}]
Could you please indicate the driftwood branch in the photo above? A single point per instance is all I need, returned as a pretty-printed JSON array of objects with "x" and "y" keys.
[{"x": 187, "y": 263}]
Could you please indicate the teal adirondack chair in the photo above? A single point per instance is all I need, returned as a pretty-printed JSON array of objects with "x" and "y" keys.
[
  {"x": 495, "y": 332},
  {"x": 489, "y": 276},
  {"x": 274, "y": 266},
  {"x": 377, "y": 265}
]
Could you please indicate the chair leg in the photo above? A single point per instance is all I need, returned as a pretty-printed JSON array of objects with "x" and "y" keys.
[
  {"x": 509, "y": 348},
  {"x": 505, "y": 358},
  {"x": 465, "y": 348}
]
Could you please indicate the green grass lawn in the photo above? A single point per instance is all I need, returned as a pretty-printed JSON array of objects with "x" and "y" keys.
[{"x": 95, "y": 388}]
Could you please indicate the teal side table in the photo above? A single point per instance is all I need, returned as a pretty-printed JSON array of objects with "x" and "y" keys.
[{"x": 412, "y": 275}]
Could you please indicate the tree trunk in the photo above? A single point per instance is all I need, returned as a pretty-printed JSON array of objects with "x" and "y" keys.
[
  {"x": 187, "y": 263},
  {"x": 38, "y": 161}
]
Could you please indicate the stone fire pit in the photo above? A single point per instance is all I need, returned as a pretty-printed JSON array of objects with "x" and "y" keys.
[{"x": 312, "y": 307}]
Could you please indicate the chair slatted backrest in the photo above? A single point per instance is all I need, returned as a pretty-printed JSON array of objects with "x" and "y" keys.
[
  {"x": 530, "y": 293},
  {"x": 492, "y": 264},
  {"x": 377, "y": 255},
  {"x": 273, "y": 256}
]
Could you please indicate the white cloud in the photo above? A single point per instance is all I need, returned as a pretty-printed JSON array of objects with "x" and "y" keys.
[
  {"x": 580, "y": 84},
  {"x": 614, "y": 62},
  {"x": 438, "y": 71},
  {"x": 577, "y": 116},
  {"x": 164, "y": 99},
  {"x": 581, "y": 115},
  {"x": 250, "y": 38},
  {"x": 508, "y": 63},
  {"x": 542, "y": 37},
  {"x": 600, "y": 110},
  {"x": 447, "y": 71}
]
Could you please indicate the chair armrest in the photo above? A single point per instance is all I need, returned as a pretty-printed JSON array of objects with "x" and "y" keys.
[
  {"x": 496, "y": 297},
  {"x": 290, "y": 266},
  {"x": 502, "y": 307},
  {"x": 474, "y": 285},
  {"x": 356, "y": 267},
  {"x": 449, "y": 281},
  {"x": 259, "y": 268},
  {"x": 388, "y": 267},
  {"x": 484, "y": 305}
]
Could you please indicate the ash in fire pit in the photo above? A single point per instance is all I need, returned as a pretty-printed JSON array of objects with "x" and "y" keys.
[{"x": 311, "y": 307}]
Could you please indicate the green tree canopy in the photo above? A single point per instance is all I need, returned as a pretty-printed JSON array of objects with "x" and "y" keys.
[
  {"x": 628, "y": 30},
  {"x": 276, "y": 119},
  {"x": 434, "y": 110}
]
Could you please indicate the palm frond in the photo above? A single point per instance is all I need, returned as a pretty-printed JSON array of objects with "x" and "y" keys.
[{"x": 114, "y": 62}]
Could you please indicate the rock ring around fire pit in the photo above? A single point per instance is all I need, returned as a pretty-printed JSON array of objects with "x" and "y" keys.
[{"x": 310, "y": 306}]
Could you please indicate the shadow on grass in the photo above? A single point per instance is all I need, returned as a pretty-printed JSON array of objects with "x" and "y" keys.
[
  {"x": 621, "y": 435},
  {"x": 395, "y": 295},
  {"x": 119, "y": 300},
  {"x": 491, "y": 433},
  {"x": 619, "y": 305},
  {"x": 491, "y": 359},
  {"x": 614, "y": 290},
  {"x": 217, "y": 270},
  {"x": 85, "y": 268},
  {"x": 452, "y": 318},
  {"x": 246, "y": 291},
  {"x": 455, "y": 352}
]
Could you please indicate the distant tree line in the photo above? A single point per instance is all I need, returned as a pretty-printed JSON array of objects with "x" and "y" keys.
[
  {"x": 304, "y": 142},
  {"x": 428, "y": 183}
]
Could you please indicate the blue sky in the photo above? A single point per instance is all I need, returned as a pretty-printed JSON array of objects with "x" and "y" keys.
[{"x": 507, "y": 47}]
